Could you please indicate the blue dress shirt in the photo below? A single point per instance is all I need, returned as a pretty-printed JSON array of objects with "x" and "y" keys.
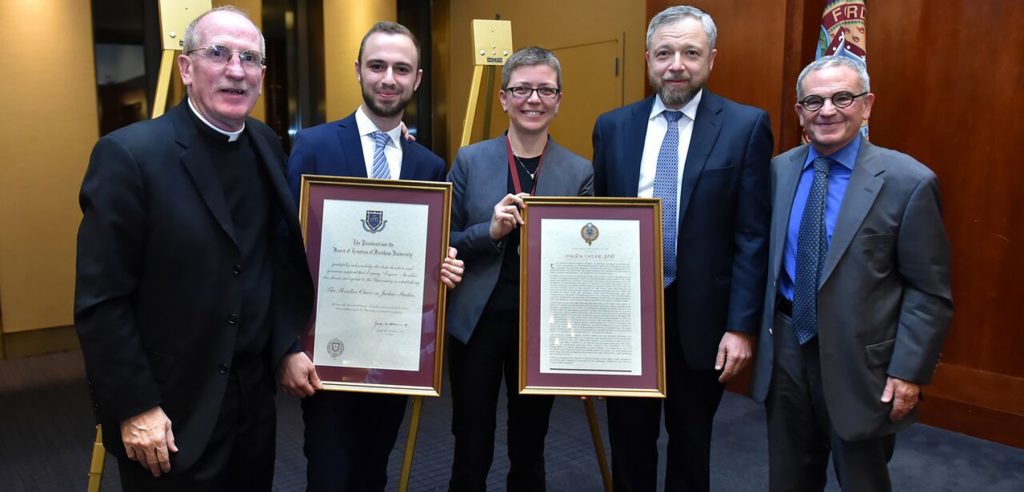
[{"x": 838, "y": 178}]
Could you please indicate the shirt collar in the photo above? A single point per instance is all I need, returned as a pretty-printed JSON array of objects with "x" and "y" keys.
[
  {"x": 846, "y": 156},
  {"x": 689, "y": 109},
  {"x": 232, "y": 136},
  {"x": 366, "y": 127}
]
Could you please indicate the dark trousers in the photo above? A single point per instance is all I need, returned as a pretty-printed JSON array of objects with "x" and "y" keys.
[
  {"x": 240, "y": 453},
  {"x": 348, "y": 438},
  {"x": 475, "y": 370},
  {"x": 800, "y": 434},
  {"x": 635, "y": 423}
]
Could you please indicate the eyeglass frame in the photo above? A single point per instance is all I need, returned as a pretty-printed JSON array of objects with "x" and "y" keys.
[
  {"x": 205, "y": 49},
  {"x": 533, "y": 90},
  {"x": 832, "y": 98}
]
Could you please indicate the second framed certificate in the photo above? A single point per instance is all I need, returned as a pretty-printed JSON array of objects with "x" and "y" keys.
[
  {"x": 591, "y": 317},
  {"x": 375, "y": 249}
]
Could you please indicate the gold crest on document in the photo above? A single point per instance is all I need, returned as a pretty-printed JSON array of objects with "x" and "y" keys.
[{"x": 590, "y": 233}]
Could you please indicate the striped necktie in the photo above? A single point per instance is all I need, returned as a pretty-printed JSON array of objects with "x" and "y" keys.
[{"x": 380, "y": 163}]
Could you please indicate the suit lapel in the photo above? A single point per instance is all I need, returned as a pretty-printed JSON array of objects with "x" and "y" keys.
[
  {"x": 861, "y": 193},
  {"x": 550, "y": 177},
  {"x": 635, "y": 131},
  {"x": 706, "y": 128},
  {"x": 351, "y": 148},
  {"x": 497, "y": 165},
  {"x": 787, "y": 179},
  {"x": 198, "y": 165},
  {"x": 408, "y": 168}
]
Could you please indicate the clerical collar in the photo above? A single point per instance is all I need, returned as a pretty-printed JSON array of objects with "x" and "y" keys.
[{"x": 232, "y": 136}]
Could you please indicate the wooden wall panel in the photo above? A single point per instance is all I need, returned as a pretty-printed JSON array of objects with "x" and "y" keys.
[{"x": 948, "y": 88}]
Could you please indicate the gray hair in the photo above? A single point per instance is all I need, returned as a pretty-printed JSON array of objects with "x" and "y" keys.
[
  {"x": 677, "y": 13},
  {"x": 528, "y": 57},
  {"x": 858, "y": 67},
  {"x": 190, "y": 41}
]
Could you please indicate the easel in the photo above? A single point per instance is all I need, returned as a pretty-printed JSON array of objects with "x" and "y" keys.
[
  {"x": 492, "y": 45},
  {"x": 175, "y": 15},
  {"x": 410, "y": 443}
]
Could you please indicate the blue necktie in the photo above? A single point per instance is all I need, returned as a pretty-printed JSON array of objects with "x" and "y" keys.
[
  {"x": 810, "y": 255},
  {"x": 666, "y": 179},
  {"x": 380, "y": 163}
]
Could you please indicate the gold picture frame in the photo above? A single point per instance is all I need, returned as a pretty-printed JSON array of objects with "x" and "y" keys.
[{"x": 378, "y": 320}]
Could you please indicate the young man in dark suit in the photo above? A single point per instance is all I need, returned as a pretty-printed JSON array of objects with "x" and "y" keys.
[
  {"x": 348, "y": 436},
  {"x": 707, "y": 158}
]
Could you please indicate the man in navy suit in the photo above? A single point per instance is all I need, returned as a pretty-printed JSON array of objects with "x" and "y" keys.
[
  {"x": 348, "y": 436},
  {"x": 709, "y": 166}
]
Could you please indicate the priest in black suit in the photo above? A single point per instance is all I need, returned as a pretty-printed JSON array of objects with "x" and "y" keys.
[{"x": 191, "y": 280}]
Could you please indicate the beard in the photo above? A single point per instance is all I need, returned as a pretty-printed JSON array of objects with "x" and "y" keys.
[
  {"x": 671, "y": 96},
  {"x": 385, "y": 110}
]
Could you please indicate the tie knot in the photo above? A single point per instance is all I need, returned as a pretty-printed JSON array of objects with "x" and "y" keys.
[
  {"x": 822, "y": 165},
  {"x": 381, "y": 138},
  {"x": 672, "y": 116}
]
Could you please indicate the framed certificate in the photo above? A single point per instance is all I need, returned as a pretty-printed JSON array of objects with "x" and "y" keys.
[
  {"x": 591, "y": 289},
  {"x": 375, "y": 249}
]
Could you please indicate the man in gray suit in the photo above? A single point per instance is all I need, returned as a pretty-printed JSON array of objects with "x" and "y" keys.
[{"x": 858, "y": 299}]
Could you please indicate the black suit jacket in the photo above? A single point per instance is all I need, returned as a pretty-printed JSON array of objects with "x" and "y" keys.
[
  {"x": 158, "y": 290},
  {"x": 724, "y": 214}
]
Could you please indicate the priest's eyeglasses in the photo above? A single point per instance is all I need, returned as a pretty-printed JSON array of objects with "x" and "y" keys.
[
  {"x": 526, "y": 92},
  {"x": 251, "y": 60},
  {"x": 841, "y": 99}
]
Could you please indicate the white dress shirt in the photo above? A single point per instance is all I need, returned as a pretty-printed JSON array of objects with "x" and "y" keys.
[
  {"x": 392, "y": 151},
  {"x": 657, "y": 126}
]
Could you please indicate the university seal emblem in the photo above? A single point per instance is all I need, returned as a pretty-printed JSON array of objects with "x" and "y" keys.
[
  {"x": 374, "y": 221},
  {"x": 335, "y": 348}
]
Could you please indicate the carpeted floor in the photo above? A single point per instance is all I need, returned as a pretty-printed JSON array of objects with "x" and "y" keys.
[{"x": 46, "y": 434}]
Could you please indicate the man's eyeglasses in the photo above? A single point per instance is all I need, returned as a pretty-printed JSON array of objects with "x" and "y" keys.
[
  {"x": 251, "y": 60},
  {"x": 841, "y": 99},
  {"x": 526, "y": 92}
]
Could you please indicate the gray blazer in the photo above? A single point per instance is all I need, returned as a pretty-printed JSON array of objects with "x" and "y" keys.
[
  {"x": 884, "y": 302},
  {"x": 479, "y": 180}
]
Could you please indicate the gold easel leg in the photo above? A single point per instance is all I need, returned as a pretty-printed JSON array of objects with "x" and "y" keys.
[
  {"x": 595, "y": 433},
  {"x": 474, "y": 96},
  {"x": 488, "y": 105},
  {"x": 163, "y": 83},
  {"x": 97, "y": 462},
  {"x": 410, "y": 443}
]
